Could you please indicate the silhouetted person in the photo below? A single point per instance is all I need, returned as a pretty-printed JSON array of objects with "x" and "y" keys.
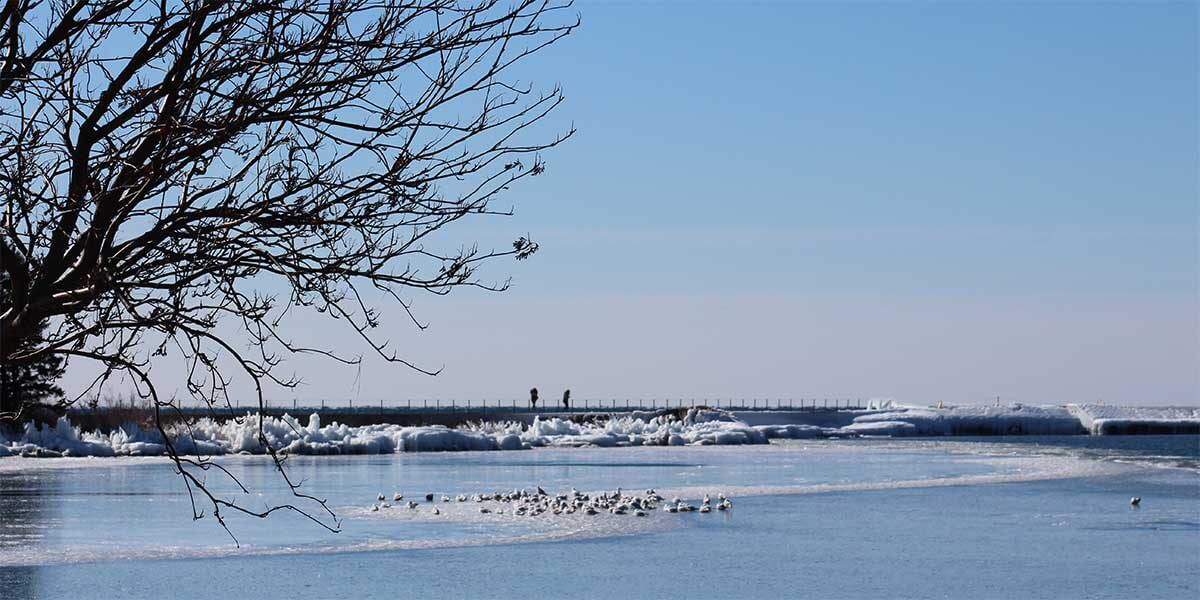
[
  {"x": 533, "y": 398},
  {"x": 567, "y": 400}
]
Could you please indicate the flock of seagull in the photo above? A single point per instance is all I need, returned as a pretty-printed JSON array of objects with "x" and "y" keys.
[{"x": 526, "y": 503}]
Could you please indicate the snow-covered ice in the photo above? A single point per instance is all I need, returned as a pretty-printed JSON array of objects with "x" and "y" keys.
[
  {"x": 288, "y": 434},
  {"x": 1100, "y": 419},
  {"x": 1013, "y": 419},
  {"x": 699, "y": 426}
]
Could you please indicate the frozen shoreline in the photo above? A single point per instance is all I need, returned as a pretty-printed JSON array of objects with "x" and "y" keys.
[{"x": 697, "y": 427}]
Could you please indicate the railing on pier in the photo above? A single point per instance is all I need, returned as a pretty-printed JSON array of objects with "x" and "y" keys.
[
  {"x": 438, "y": 410},
  {"x": 575, "y": 406}
]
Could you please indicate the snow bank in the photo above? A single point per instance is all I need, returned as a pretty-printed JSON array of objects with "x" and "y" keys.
[
  {"x": 1123, "y": 420},
  {"x": 60, "y": 440},
  {"x": 209, "y": 437},
  {"x": 1013, "y": 419},
  {"x": 1019, "y": 419},
  {"x": 287, "y": 434},
  {"x": 697, "y": 427}
]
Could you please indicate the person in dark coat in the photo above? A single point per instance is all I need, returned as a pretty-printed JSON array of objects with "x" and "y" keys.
[
  {"x": 567, "y": 400},
  {"x": 533, "y": 398}
]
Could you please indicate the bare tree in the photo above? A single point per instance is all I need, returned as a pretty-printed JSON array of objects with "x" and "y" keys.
[{"x": 168, "y": 166}]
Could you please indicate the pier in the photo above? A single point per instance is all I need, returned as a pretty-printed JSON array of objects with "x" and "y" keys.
[{"x": 457, "y": 412}]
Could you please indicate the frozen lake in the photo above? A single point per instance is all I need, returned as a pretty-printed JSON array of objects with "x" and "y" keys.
[{"x": 1036, "y": 517}]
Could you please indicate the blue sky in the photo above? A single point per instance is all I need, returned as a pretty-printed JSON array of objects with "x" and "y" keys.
[
  {"x": 1012, "y": 148},
  {"x": 925, "y": 201}
]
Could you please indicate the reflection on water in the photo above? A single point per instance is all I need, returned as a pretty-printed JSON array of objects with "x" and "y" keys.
[
  {"x": 107, "y": 509},
  {"x": 26, "y": 510},
  {"x": 92, "y": 520}
]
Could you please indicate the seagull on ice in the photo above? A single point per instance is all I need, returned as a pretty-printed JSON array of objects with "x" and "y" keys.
[
  {"x": 381, "y": 498},
  {"x": 1135, "y": 501}
]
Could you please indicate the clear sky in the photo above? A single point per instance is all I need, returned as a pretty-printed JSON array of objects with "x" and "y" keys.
[{"x": 923, "y": 201}]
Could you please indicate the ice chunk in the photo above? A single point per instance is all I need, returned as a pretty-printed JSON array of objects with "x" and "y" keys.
[
  {"x": 1013, "y": 419},
  {"x": 1102, "y": 419}
]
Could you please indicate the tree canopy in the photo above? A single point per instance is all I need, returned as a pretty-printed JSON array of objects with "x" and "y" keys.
[{"x": 168, "y": 166}]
